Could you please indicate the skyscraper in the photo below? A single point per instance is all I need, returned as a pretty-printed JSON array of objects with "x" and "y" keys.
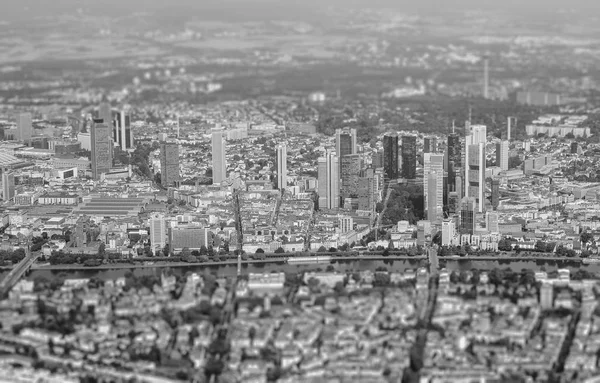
[
  {"x": 367, "y": 193},
  {"x": 352, "y": 165},
  {"x": 491, "y": 222},
  {"x": 434, "y": 209},
  {"x": 8, "y": 185},
  {"x": 475, "y": 174},
  {"x": 158, "y": 232},
  {"x": 101, "y": 145},
  {"x": 430, "y": 144},
  {"x": 219, "y": 164},
  {"x": 169, "y": 163},
  {"x": 495, "y": 193},
  {"x": 329, "y": 179},
  {"x": 467, "y": 215},
  {"x": 281, "y": 166},
  {"x": 478, "y": 133},
  {"x": 345, "y": 142},
  {"x": 123, "y": 135},
  {"x": 390, "y": 156},
  {"x": 502, "y": 155},
  {"x": 433, "y": 164},
  {"x": 486, "y": 77},
  {"x": 448, "y": 232},
  {"x": 455, "y": 150},
  {"x": 409, "y": 157},
  {"x": 24, "y": 127}
]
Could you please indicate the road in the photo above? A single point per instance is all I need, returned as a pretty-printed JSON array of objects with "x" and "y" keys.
[{"x": 17, "y": 272}]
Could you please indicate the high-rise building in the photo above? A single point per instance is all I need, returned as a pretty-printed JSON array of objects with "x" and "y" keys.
[
  {"x": 409, "y": 157},
  {"x": 486, "y": 77},
  {"x": 352, "y": 165},
  {"x": 502, "y": 155},
  {"x": 495, "y": 193},
  {"x": 345, "y": 142},
  {"x": 101, "y": 145},
  {"x": 8, "y": 185},
  {"x": 434, "y": 207},
  {"x": 281, "y": 166},
  {"x": 122, "y": 133},
  {"x": 169, "y": 163},
  {"x": 475, "y": 169},
  {"x": 329, "y": 187},
  {"x": 455, "y": 150},
  {"x": 158, "y": 232},
  {"x": 448, "y": 232},
  {"x": 508, "y": 127},
  {"x": 219, "y": 164},
  {"x": 478, "y": 134},
  {"x": 377, "y": 159},
  {"x": 390, "y": 156},
  {"x": 430, "y": 144},
  {"x": 491, "y": 222},
  {"x": 24, "y": 127},
  {"x": 433, "y": 164},
  {"x": 367, "y": 193},
  {"x": 453, "y": 203},
  {"x": 345, "y": 223},
  {"x": 467, "y": 215}
]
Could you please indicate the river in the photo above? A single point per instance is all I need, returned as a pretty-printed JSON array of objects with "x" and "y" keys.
[{"x": 340, "y": 266}]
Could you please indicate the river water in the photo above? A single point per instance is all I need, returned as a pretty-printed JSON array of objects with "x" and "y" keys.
[{"x": 340, "y": 266}]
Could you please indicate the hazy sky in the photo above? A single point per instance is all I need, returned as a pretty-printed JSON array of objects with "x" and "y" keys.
[{"x": 13, "y": 8}]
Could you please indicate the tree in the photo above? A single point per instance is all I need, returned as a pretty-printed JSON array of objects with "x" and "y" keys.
[
  {"x": 322, "y": 249},
  {"x": 279, "y": 250},
  {"x": 504, "y": 245},
  {"x": 203, "y": 250},
  {"x": 586, "y": 237},
  {"x": 259, "y": 251}
]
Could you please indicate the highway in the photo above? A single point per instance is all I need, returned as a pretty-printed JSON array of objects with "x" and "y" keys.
[{"x": 17, "y": 272}]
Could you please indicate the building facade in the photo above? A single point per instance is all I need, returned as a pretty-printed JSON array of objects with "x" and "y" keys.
[{"x": 169, "y": 164}]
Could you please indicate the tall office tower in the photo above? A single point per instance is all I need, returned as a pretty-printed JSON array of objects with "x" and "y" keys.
[
  {"x": 24, "y": 127},
  {"x": 8, "y": 185},
  {"x": 430, "y": 145},
  {"x": 467, "y": 215},
  {"x": 281, "y": 166},
  {"x": 434, "y": 206},
  {"x": 409, "y": 157},
  {"x": 345, "y": 142},
  {"x": 101, "y": 145},
  {"x": 455, "y": 150},
  {"x": 448, "y": 232},
  {"x": 158, "y": 232},
  {"x": 508, "y": 126},
  {"x": 475, "y": 174},
  {"x": 169, "y": 163},
  {"x": 491, "y": 222},
  {"x": 105, "y": 113},
  {"x": 478, "y": 133},
  {"x": 453, "y": 203},
  {"x": 219, "y": 164},
  {"x": 390, "y": 156},
  {"x": 495, "y": 193},
  {"x": 123, "y": 135},
  {"x": 502, "y": 155},
  {"x": 352, "y": 165},
  {"x": 486, "y": 76},
  {"x": 433, "y": 164},
  {"x": 329, "y": 187},
  {"x": 367, "y": 193},
  {"x": 460, "y": 191}
]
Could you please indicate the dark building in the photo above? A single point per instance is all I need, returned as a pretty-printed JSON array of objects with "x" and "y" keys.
[
  {"x": 169, "y": 163},
  {"x": 390, "y": 156},
  {"x": 454, "y": 150},
  {"x": 351, "y": 168},
  {"x": 574, "y": 147},
  {"x": 409, "y": 157},
  {"x": 468, "y": 205},
  {"x": 122, "y": 133},
  {"x": 102, "y": 151},
  {"x": 430, "y": 145},
  {"x": 495, "y": 193}
]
